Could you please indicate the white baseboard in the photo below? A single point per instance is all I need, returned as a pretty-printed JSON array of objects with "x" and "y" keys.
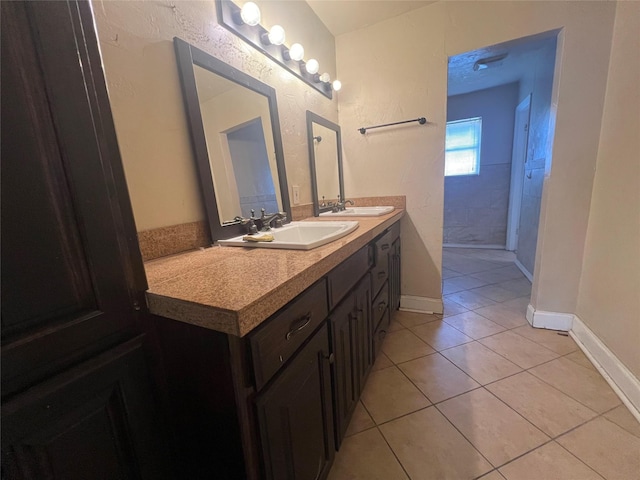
[
  {"x": 411, "y": 303},
  {"x": 471, "y": 245},
  {"x": 524, "y": 270},
  {"x": 621, "y": 380},
  {"x": 549, "y": 320}
]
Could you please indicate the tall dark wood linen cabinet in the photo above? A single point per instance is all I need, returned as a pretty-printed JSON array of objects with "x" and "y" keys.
[{"x": 78, "y": 401}]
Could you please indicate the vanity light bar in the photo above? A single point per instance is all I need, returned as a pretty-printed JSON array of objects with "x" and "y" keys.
[{"x": 245, "y": 23}]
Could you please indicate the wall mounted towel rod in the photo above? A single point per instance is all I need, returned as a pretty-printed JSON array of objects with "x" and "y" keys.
[{"x": 420, "y": 120}]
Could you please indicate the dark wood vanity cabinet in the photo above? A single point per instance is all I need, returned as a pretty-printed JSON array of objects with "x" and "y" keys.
[
  {"x": 276, "y": 403},
  {"x": 351, "y": 342},
  {"x": 394, "y": 275},
  {"x": 295, "y": 415},
  {"x": 385, "y": 282}
]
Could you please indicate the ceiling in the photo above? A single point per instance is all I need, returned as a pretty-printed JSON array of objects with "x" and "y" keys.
[
  {"x": 344, "y": 16},
  {"x": 523, "y": 54}
]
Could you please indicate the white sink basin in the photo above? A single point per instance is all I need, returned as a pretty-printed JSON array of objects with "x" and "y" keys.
[
  {"x": 298, "y": 235},
  {"x": 360, "y": 212}
]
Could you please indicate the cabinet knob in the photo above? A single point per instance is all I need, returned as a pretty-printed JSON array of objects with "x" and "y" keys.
[{"x": 331, "y": 358}]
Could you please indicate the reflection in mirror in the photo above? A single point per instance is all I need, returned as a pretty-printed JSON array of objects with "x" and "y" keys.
[
  {"x": 237, "y": 128},
  {"x": 325, "y": 160},
  {"x": 235, "y": 134}
]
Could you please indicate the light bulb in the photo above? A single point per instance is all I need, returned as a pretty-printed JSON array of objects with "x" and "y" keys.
[
  {"x": 325, "y": 77},
  {"x": 337, "y": 85},
  {"x": 276, "y": 35},
  {"x": 250, "y": 14},
  {"x": 296, "y": 52},
  {"x": 312, "y": 66}
]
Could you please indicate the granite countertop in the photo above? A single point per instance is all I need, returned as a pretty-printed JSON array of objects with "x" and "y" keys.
[{"x": 234, "y": 289}]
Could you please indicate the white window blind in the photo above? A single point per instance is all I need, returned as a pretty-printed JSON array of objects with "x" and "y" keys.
[{"x": 462, "y": 147}]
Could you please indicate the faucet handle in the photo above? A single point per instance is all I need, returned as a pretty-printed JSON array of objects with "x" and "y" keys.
[{"x": 248, "y": 223}]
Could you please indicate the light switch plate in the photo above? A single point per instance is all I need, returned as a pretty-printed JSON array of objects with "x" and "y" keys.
[{"x": 296, "y": 194}]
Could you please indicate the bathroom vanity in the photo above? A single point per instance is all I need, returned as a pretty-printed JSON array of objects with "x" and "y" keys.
[
  {"x": 266, "y": 352},
  {"x": 263, "y": 352}
]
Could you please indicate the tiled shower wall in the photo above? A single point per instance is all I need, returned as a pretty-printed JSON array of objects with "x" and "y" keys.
[{"x": 476, "y": 206}]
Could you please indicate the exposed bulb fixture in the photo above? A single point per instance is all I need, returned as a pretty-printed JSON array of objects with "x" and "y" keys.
[
  {"x": 296, "y": 52},
  {"x": 325, "y": 77},
  {"x": 250, "y": 14},
  {"x": 312, "y": 66},
  {"x": 243, "y": 19},
  {"x": 276, "y": 35},
  {"x": 337, "y": 85}
]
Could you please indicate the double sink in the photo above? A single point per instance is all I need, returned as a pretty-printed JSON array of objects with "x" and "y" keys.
[{"x": 308, "y": 235}]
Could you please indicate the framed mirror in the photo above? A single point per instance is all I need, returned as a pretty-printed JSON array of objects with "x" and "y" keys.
[
  {"x": 325, "y": 161},
  {"x": 236, "y": 141}
]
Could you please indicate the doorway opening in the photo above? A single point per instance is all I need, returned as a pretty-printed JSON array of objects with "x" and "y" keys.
[
  {"x": 493, "y": 183},
  {"x": 248, "y": 160},
  {"x": 498, "y": 148}
]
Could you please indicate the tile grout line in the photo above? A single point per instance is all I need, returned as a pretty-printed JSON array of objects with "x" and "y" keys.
[
  {"x": 465, "y": 437},
  {"x": 442, "y": 318},
  {"x": 578, "y": 458},
  {"x": 559, "y": 356},
  {"x": 393, "y": 452}
]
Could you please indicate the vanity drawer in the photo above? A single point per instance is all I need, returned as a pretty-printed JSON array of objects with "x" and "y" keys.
[
  {"x": 347, "y": 274},
  {"x": 380, "y": 333},
  {"x": 274, "y": 343},
  {"x": 380, "y": 271},
  {"x": 380, "y": 304}
]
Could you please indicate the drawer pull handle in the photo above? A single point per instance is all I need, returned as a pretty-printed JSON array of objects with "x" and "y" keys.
[
  {"x": 382, "y": 274},
  {"x": 382, "y": 333},
  {"x": 381, "y": 306},
  {"x": 384, "y": 247},
  {"x": 306, "y": 320}
]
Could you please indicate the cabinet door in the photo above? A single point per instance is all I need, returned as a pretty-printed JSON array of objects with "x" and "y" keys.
[
  {"x": 344, "y": 330},
  {"x": 363, "y": 332},
  {"x": 93, "y": 421},
  {"x": 295, "y": 416},
  {"x": 351, "y": 325},
  {"x": 71, "y": 272},
  {"x": 394, "y": 277}
]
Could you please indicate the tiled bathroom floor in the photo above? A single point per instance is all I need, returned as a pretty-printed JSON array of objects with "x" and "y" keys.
[{"x": 481, "y": 394}]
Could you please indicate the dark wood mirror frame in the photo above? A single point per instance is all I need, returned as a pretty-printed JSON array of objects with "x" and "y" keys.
[
  {"x": 311, "y": 119},
  {"x": 187, "y": 55}
]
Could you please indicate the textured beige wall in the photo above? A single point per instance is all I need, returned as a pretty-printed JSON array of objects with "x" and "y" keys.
[
  {"x": 397, "y": 70},
  {"x": 609, "y": 300},
  {"x": 136, "y": 39}
]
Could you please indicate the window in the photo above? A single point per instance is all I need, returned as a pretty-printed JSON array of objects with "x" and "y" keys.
[{"x": 462, "y": 147}]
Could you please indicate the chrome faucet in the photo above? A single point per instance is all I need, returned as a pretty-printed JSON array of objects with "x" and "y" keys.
[
  {"x": 249, "y": 223},
  {"x": 340, "y": 205},
  {"x": 268, "y": 218}
]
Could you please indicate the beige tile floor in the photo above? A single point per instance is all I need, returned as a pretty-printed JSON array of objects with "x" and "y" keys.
[{"x": 478, "y": 393}]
